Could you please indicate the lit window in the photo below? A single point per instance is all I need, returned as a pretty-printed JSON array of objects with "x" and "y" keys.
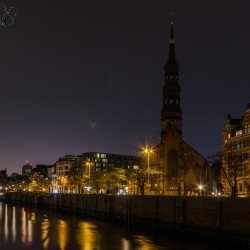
[
  {"x": 239, "y": 132},
  {"x": 247, "y": 128},
  {"x": 239, "y": 145}
]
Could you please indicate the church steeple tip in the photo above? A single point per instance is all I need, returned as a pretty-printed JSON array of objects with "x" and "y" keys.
[
  {"x": 172, "y": 33},
  {"x": 171, "y": 54}
]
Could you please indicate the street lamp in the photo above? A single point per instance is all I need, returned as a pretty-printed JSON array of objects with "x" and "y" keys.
[
  {"x": 200, "y": 187},
  {"x": 89, "y": 165},
  {"x": 148, "y": 151}
]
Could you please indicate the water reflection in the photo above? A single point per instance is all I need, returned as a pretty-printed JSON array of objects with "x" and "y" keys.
[
  {"x": 86, "y": 235},
  {"x": 126, "y": 244},
  {"x": 45, "y": 226},
  {"x": 63, "y": 232},
  {"x": 26, "y": 226},
  {"x": 6, "y": 229},
  {"x": 31, "y": 229},
  {"x": 14, "y": 225},
  {"x": 143, "y": 243}
]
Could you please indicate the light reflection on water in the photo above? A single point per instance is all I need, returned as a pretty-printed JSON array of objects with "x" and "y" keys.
[
  {"x": 45, "y": 227},
  {"x": 24, "y": 228},
  {"x": 86, "y": 235}
]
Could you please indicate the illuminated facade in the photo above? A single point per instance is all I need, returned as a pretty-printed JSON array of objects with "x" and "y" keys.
[
  {"x": 105, "y": 161},
  {"x": 63, "y": 166},
  {"x": 89, "y": 162},
  {"x": 236, "y": 143},
  {"x": 182, "y": 169}
]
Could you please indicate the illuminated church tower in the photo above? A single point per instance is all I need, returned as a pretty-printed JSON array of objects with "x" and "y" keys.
[
  {"x": 171, "y": 114},
  {"x": 182, "y": 169}
]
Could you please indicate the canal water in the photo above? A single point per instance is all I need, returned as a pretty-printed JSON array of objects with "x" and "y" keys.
[{"x": 30, "y": 228}]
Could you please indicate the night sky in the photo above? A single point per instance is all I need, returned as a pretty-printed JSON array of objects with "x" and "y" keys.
[{"x": 87, "y": 75}]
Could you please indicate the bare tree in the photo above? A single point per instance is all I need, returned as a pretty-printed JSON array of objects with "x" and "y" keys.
[
  {"x": 234, "y": 165},
  {"x": 142, "y": 177},
  {"x": 138, "y": 177}
]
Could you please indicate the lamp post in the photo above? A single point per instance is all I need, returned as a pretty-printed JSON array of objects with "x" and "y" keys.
[
  {"x": 148, "y": 151},
  {"x": 200, "y": 187},
  {"x": 88, "y": 164}
]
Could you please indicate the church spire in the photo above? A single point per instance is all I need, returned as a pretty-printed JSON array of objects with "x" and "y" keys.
[
  {"x": 171, "y": 114},
  {"x": 171, "y": 54}
]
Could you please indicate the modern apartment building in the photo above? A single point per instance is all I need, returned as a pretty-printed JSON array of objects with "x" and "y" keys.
[
  {"x": 100, "y": 161},
  {"x": 89, "y": 162}
]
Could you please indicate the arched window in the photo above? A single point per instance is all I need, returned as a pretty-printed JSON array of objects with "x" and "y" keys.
[{"x": 172, "y": 165}]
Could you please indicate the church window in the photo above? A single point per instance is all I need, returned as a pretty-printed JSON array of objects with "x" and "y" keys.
[
  {"x": 177, "y": 100},
  {"x": 171, "y": 101},
  {"x": 171, "y": 77},
  {"x": 172, "y": 164}
]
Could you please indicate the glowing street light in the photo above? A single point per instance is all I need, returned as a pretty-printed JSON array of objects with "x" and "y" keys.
[
  {"x": 148, "y": 151},
  {"x": 89, "y": 165},
  {"x": 200, "y": 187}
]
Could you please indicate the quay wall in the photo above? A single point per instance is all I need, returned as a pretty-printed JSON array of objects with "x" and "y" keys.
[{"x": 214, "y": 216}]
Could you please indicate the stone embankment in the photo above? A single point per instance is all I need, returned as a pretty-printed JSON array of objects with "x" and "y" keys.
[{"x": 217, "y": 218}]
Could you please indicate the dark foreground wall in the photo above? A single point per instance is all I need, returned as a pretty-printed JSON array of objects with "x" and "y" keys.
[{"x": 215, "y": 217}]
